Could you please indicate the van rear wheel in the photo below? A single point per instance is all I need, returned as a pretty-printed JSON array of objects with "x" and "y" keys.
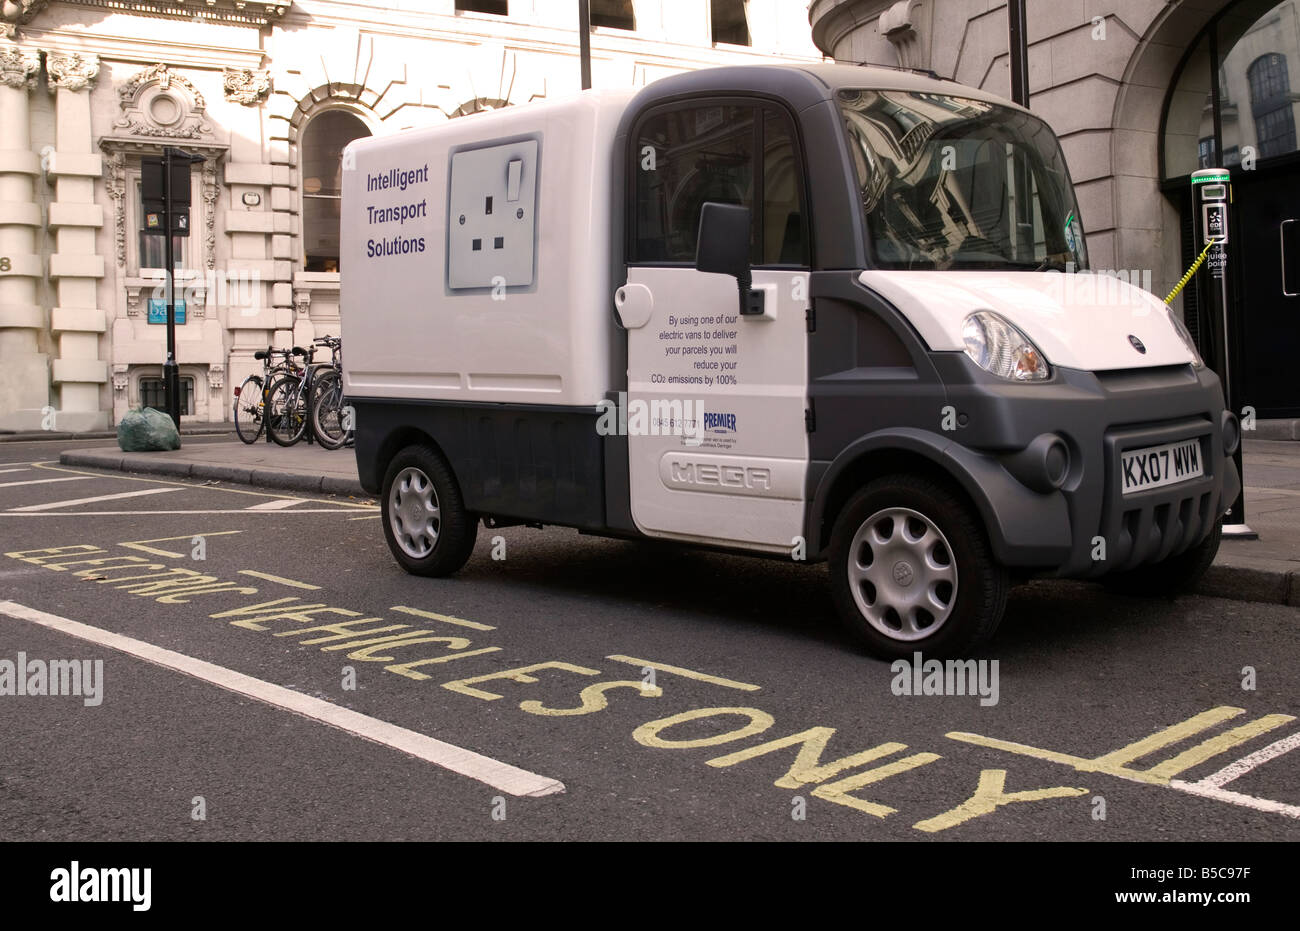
[
  {"x": 427, "y": 527},
  {"x": 912, "y": 570}
]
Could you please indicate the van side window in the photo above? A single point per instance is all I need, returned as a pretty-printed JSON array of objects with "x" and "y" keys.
[
  {"x": 785, "y": 241},
  {"x": 688, "y": 156},
  {"x": 684, "y": 158}
]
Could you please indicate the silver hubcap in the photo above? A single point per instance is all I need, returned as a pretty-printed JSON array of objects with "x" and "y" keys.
[
  {"x": 413, "y": 513},
  {"x": 902, "y": 574}
]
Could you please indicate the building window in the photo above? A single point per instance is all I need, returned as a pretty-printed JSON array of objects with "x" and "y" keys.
[
  {"x": 496, "y": 7},
  {"x": 153, "y": 247},
  {"x": 1205, "y": 153},
  {"x": 613, "y": 14},
  {"x": 321, "y": 150},
  {"x": 1271, "y": 105},
  {"x": 153, "y": 393},
  {"x": 728, "y": 22}
]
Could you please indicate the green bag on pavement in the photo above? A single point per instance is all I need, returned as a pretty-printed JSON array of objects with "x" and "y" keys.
[{"x": 145, "y": 430}]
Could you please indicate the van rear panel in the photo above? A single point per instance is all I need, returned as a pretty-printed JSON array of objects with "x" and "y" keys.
[{"x": 475, "y": 256}]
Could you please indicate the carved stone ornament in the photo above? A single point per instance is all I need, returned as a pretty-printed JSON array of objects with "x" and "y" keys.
[
  {"x": 211, "y": 192},
  {"x": 15, "y": 13},
  {"x": 160, "y": 103},
  {"x": 71, "y": 71},
  {"x": 19, "y": 67},
  {"x": 246, "y": 87},
  {"x": 121, "y": 377},
  {"x": 115, "y": 184}
]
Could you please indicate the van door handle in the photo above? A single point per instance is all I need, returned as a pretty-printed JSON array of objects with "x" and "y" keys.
[
  {"x": 1281, "y": 231},
  {"x": 634, "y": 303}
]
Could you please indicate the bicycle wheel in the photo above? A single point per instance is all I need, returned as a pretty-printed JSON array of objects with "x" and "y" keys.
[
  {"x": 327, "y": 409},
  {"x": 286, "y": 412},
  {"x": 249, "y": 405}
]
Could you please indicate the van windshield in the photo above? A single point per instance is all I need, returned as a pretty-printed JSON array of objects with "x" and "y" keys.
[{"x": 952, "y": 183}]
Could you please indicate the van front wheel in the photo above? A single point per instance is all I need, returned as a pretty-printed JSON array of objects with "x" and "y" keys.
[
  {"x": 425, "y": 522},
  {"x": 912, "y": 570}
]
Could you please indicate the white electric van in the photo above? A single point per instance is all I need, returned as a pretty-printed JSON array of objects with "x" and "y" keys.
[{"x": 816, "y": 312}]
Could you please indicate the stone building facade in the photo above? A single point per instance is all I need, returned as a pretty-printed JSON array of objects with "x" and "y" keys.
[
  {"x": 267, "y": 93},
  {"x": 1142, "y": 93}
]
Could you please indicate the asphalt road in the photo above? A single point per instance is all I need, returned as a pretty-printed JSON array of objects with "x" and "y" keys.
[{"x": 655, "y": 670}]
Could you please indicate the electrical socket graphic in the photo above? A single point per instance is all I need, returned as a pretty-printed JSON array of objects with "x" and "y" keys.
[{"x": 491, "y": 221}]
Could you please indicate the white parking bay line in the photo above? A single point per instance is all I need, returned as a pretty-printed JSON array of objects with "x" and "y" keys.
[
  {"x": 51, "y": 505},
  {"x": 7, "y": 471},
  {"x": 276, "y": 504},
  {"x": 46, "y": 481},
  {"x": 1212, "y": 786},
  {"x": 484, "y": 769}
]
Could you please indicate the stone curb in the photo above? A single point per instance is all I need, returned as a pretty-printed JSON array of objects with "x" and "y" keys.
[
  {"x": 260, "y": 478},
  {"x": 36, "y": 436}
]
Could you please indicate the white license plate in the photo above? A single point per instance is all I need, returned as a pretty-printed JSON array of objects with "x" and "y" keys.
[{"x": 1156, "y": 466}]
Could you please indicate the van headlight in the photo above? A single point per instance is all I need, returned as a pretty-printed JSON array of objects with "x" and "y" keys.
[
  {"x": 998, "y": 347},
  {"x": 1181, "y": 329}
]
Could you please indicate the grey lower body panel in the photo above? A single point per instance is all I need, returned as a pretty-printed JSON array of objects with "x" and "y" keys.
[
  {"x": 516, "y": 462},
  {"x": 1100, "y": 416}
]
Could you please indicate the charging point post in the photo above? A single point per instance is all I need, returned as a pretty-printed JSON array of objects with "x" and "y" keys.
[{"x": 1211, "y": 200}]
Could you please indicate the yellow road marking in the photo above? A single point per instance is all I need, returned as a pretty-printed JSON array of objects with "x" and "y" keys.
[
  {"x": 648, "y": 734},
  {"x": 688, "y": 673},
  {"x": 140, "y": 544},
  {"x": 275, "y": 578},
  {"x": 838, "y": 791},
  {"x": 1169, "y": 736},
  {"x": 460, "y": 621},
  {"x": 592, "y": 697},
  {"x": 519, "y": 674},
  {"x": 1220, "y": 744},
  {"x": 990, "y": 795},
  {"x": 807, "y": 766},
  {"x": 1116, "y": 763}
]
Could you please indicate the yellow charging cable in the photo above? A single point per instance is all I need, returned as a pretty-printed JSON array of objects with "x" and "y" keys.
[{"x": 1192, "y": 271}]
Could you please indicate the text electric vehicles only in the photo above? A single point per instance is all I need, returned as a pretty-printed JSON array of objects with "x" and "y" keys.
[{"x": 822, "y": 313}]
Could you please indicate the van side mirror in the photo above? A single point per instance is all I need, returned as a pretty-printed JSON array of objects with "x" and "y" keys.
[{"x": 722, "y": 247}]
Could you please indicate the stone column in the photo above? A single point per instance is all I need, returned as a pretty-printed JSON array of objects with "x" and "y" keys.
[
  {"x": 24, "y": 369},
  {"x": 76, "y": 267}
]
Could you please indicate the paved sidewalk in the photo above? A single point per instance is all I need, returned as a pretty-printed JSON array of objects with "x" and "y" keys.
[
  {"x": 294, "y": 468},
  {"x": 1267, "y": 569}
]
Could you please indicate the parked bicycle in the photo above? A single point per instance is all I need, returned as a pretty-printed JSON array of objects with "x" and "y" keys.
[
  {"x": 250, "y": 397},
  {"x": 330, "y": 417},
  {"x": 310, "y": 395}
]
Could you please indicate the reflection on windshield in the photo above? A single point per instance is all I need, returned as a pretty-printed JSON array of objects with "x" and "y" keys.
[{"x": 951, "y": 183}]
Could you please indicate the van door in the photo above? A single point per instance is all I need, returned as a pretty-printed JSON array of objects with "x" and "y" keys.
[{"x": 717, "y": 436}]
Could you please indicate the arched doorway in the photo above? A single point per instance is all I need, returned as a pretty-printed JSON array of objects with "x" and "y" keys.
[
  {"x": 1235, "y": 103},
  {"x": 321, "y": 152}
]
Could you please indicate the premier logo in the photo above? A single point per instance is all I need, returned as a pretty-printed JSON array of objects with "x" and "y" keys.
[
  {"x": 720, "y": 423},
  {"x": 88, "y": 884}
]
